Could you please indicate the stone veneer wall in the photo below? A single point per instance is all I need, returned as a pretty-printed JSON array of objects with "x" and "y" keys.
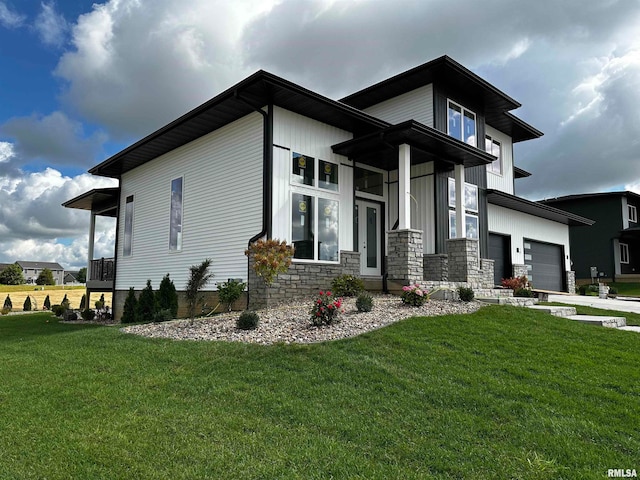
[
  {"x": 436, "y": 267},
  {"x": 405, "y": 259},
  {"x": 302, "y": 279},
  {"x": 519, "y": 270},
  {"x": 571, "y": 282},
  {"x": 465, "y": 264}
]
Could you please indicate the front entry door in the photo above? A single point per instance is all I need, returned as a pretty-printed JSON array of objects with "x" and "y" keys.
[{"x": 368, "y": 237}]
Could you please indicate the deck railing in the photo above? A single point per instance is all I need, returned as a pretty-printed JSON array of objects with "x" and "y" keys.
[{"x": 102, "y": 269}]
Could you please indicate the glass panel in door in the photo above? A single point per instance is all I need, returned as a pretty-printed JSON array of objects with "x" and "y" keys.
[{"x": 368, "y": 237}]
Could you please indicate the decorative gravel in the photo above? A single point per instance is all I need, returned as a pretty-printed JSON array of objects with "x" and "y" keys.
[{"x": 289, "y": 323}]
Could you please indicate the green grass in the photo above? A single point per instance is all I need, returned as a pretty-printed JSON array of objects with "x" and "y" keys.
[
  {"x": 632, "y": 318},
  {"x": 504, "y": 393},
  {"x": 627, "y": 289}
]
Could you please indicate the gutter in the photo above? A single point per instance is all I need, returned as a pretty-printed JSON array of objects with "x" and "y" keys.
[{"x": 267, "y": 173}]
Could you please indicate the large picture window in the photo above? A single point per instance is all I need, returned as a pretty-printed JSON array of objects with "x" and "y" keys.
[
  {"x": 314, "y": 209},
  {"x": 470, "y": 207},
  {"x": 461, "y": 123},
  {"x": 175, "y": 221},
  {"x": 493, "y": 147},
  {"x": 128, "y": 227}
]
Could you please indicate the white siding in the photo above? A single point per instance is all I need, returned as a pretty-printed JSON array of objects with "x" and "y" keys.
[
  {"x": 297, "y": 133},
  {"x": 222, "y": 207},
  {"x": 520, "y": 226},
  {"x": 503, "y": 182},
  {"x": 416, "y": 104}
]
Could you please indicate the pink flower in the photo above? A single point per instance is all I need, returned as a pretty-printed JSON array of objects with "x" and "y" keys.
[
  {"x": 328, "y": 294},
  {"x": 319, "y": 301},
  {"x": 418, "y": 292},
  {"x": 321, "y": 293},
  {"x": 406, "y": 288}
]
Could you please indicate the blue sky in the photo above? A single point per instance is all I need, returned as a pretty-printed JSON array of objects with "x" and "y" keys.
[{"x": 81, "y": 80}]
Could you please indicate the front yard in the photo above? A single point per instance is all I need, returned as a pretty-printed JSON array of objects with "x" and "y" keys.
[{"x": 502, "y": 393}]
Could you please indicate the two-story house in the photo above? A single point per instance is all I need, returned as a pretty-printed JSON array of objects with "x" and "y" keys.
[
  {"x": 409, "y": 180},
  {"x": 612, "y": 246},
  {"x": 31, "y": 270}
]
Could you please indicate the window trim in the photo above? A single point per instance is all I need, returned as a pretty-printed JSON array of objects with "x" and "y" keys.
[
  {"x": 632, "y": 213},
  {"x": 624, "y": 253},
  {"x": 127, "y": 247},
  {"x": 179, "y": 239},
  {"x": 468, "y": 211},
  {"x": 316, "y": 174},
  {"x": 462, "y": 112},
  {"x": 490, "y": 166}
]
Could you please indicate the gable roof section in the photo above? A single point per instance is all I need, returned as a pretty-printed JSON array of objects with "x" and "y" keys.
[
  {"x": 258, "y": 90},
  {"x": 39, "y": 265},
  {"x": 536, "y": 209},
  {"x": 446, "y": 70}
]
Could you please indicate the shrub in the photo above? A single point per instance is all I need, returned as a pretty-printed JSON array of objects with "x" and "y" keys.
[
  {"x": 582, "y": 289},
  {"x": 414, "y": 295},
  {"x": 69, "y": 316},
  {"x": 47, "y": 303},
  {"x": 163, "y": 315},
  {"x": 88, "y": 314},
  {"x": 58, "y": 310},
  {"x": 83, "y": 302},
  {"x": 12, "y": 275},
  {"x": 364, "y": 302},
  {"x": 347, "y": 286},
  {"x": 270, "y": 258},
  {"x": 523, "y": 292},
  {"x": 4, "y": 311},
  {"x": 466, "y": 294},
  {"x": 229, "y": 292},
  {"x": 198, "y": 279},
  {"x": 8, "y": 305},
  {"x": 146, "y": 307},
  {"x": 167, "y": 297},
  {"x": 514, "y": 283},
  {"x": 130, "y": 307},
  {"x": 613, "y": 291},
  {"x": 45, "y": 277},
  {"x": 100, "y": 303},
  {"x": 26, "y": 306},
  {"x": 325, "y": 310},
  {"x": 65, "y": 302},
  {"x": 248, "y": 320},
  {"x": 593, "y": 288}
]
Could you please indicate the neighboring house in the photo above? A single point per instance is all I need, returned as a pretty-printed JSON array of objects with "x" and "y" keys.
[
  {"x": 409, "y": 180},
  {"x": 612, "y": 245},
  {"x": 31, "y": 270},
  {"x": 70, "y": 277}
]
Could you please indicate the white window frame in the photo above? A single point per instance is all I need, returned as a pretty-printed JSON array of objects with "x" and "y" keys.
[
  {"x": 633, "y": 213},
  {"x": 491, "y": 167},
  {"x": 471, "y": 209},
  {"x": 315, "y": 192},
  {"x": 624, "y": 253},
  {"x": 462, "y": 112}
]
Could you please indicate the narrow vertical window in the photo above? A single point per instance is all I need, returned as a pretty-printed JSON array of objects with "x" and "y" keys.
[
  {"x": 633, "y": 214},
  {"x": 328, "y": 230},
  {"x": 624, "y": 253},
  {"x": 128, "y": 226},
  {"x": 175, "y": 221},
  {"x": 493, "y": 147},
  {"x": 302, "y": 220},
  {"x": 303, "y": 170}
]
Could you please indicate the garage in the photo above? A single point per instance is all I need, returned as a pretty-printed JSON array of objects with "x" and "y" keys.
[
  {"x": 545, "y": 264},
  {"x": 500, "y": 253}
]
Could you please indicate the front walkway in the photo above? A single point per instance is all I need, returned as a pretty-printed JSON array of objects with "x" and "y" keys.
[{"x": 629, "y": 305}]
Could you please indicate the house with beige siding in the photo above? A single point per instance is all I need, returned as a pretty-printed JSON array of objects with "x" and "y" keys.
[{"x": 408, "y": 180}]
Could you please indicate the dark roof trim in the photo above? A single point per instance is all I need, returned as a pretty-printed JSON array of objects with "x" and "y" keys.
[
  {"x": 502, "y": 199},
  {"x": 49, "y": 265},
  {"x": 440, "y": 146},
  {"x": 519, "y": 130},
  {"x": 261, "y": 88},
  {"x": 99, "y": 200},
  {"x": 580, "y": 196},
  {"x": 420, "y": 76},
  {"x": 520, "y": 173}
]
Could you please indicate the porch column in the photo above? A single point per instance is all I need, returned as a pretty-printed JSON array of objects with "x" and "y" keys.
[
  {"x": 461, "y": 226},
  {"x": 404, "y": 187},
  {"x": 92, "y": 233}
]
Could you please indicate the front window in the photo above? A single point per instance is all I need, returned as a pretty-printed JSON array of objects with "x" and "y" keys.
[
  {"x": 470, "y": 207},
  {"x": 314, "y": 208},
  {"x": 633, "y": 213},
  {"x": 175, "y": 220},
  {"x": 493, "y": 147},
  {"x": 368, "y": 181},
  {"x": 461, "y": 123},
  {"x": 128, "y": 226},
  {"x": 624, "y": 253}
]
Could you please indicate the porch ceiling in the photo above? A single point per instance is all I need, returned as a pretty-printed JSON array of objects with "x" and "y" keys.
[
  {"x": 631, "y": 233},
  {"x": 102, "y": 201},
  {"x": 427, "y": 144}
]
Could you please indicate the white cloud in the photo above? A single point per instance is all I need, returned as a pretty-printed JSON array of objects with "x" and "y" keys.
[
  {"x": 9, "y": 18},
  {"x": 6, "y": 151},
  {"x": 50, "y": 25}
]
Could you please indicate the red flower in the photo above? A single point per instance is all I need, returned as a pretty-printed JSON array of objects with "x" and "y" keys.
[{"x": 328, "y": 294}]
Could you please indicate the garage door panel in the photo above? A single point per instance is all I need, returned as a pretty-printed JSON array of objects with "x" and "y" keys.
[{"x": 545, "y": 263}]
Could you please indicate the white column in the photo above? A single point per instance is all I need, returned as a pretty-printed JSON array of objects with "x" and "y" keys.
[
  {"x": 461, "y": 226},
  {"x": 92, "y": 233},
  {"x": 404, "y": 187}
]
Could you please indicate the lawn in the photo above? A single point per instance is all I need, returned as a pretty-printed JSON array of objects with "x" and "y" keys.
[
  {"x": 503, "y": 393},
  {"x": 632, "y": 318}
]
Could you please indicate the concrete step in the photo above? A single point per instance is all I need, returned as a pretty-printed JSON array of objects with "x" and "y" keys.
[
  {"x": 601, "y": 320},
  {"x": 517, "y": 301},
  {"x": 631, "y": 328},
  {"x": 557, "y": 311}
]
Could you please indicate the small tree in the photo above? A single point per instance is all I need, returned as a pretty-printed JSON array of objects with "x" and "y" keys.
[
  {"x": 65, "y": 302},
  {"x": 8, "y": 305},
  {"x": 229, "y": 292},
  {"x": 83, "y": 302},
  {"x": 130, "y": 307},
  {"x": 100, "y": 303},
  {"x": 146, "y": 307},
  {"x": 198, "y": 279},
  {"x": 270, "y": 258},
  {"x": 26, "y": 306},
  {"x": 167, "y": 297},
  {"x": 45, "y": 277},
  {"x": 47, "y": 303},
  {"x": 12, "y": 275},
  {"x": 82, "y": 275}
]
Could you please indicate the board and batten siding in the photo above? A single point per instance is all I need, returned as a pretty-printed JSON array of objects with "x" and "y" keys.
[
  {"x": 521, "y": 225},
  {"x": 222, "y": 207},
  {"x": 414, "y": 105},
  {"x": 503, "y": 182},
  {"x": 296, "y": 133}
]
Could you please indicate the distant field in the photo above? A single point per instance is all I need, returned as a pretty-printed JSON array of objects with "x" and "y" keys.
[{"x": 18, "y": 294}]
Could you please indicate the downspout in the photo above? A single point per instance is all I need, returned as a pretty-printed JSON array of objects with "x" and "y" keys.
[{"x": 267, "y": 169}]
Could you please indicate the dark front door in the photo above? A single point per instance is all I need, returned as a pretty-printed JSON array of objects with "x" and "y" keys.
[{"x": 500, "y": 253}]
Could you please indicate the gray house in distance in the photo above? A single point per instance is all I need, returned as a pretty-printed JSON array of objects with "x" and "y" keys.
[
  {"x": 31, "y": 270},
  {"x": 612, "y": 244}
]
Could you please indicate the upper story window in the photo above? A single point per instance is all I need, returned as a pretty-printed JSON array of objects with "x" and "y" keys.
[
  {"x": 314, "y": 209},
  {"x": 461, "y": 123},
  {"x": 128, "y": 226},
  {"x": 494, "y": 147},
  {"x": 175, "y": 220},
  {"x": 633, "y": 213}
]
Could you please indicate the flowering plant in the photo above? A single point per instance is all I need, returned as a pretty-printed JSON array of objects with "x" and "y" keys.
[
  {"x": 326, "y": 309},
  {"x": 414, "y": 295}
]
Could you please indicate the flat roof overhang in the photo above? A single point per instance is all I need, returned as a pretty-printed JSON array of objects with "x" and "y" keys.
[
  {"x": 101, "y": 201},
  {"x": 502, "y": 199},
  {"x": 427, "y": 144},
  {"x": 258, "y": 90},
  {"x": 631, "y": 233}
]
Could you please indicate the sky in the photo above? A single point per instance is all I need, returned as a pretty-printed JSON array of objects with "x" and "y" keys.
[{"x": 81, "y": 80}]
